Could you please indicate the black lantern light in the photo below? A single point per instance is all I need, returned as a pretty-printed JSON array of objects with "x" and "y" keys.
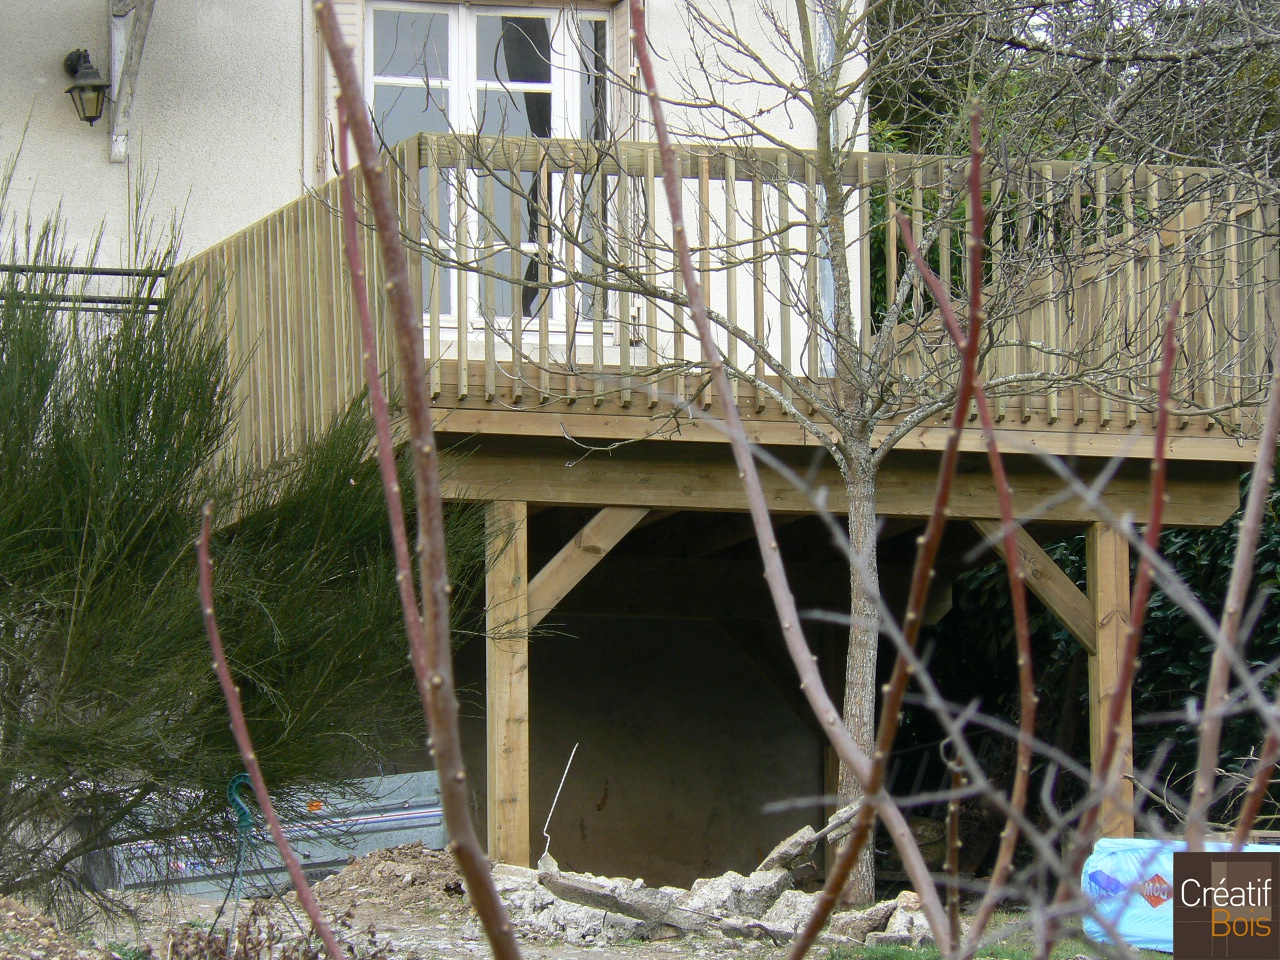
[{"x": 88, "y": 90}]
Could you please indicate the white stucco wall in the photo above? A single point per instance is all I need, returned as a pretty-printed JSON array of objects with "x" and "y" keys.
[{"x": 221, "y": 134}]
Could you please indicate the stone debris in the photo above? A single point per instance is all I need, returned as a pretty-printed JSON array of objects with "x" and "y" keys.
[
  {"x": 733, "y": 895},
  {"x": 907, "y": 927},
  {"x": 408, "y": 877},
  {"x": 762, "y": 905}
]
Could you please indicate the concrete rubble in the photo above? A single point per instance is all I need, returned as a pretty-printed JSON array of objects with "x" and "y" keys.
[{"x": 764, "y": 904}]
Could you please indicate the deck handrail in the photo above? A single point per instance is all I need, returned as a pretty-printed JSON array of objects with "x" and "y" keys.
[{"x": 566, "y": 236}]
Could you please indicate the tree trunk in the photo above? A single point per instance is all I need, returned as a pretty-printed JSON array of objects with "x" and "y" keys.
[{"x": 864, "y": 637}]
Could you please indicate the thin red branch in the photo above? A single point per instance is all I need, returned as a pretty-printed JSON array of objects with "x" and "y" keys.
[
  {"x": 429, "y": 646},
  {"x": 1229, "y": 642},
  {"x": 811, "y": 680},
  {"x": 240, "y": 730},
  {"x": 1017, "y": 588},
  {"x": 1108, "y": 772}
]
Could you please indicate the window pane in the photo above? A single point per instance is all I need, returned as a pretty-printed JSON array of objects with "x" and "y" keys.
[
  {"x": 513, "y": 114},
  {"x": 592, "y": 80},
  {"x": 513, "y": 49},
  {"x": 400, "y": 112},
  {"x": 410, "y": 44}
]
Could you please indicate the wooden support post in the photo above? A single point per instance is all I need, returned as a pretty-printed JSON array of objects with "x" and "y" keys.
[
  {"x": 507, "y": 681},
  {"x": 1107, "y": 558}
]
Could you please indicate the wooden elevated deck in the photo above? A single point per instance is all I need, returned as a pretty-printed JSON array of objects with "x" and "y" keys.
[{"x": 553, "y": 320}]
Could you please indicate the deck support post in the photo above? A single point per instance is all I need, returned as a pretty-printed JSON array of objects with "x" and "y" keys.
[
  {"x": 1107, "y": 560},
  {"x": 507, "y": 681}
]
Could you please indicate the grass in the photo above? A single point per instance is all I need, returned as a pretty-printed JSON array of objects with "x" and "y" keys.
[
  {"x": 127, "y": 951},
  {"x": 1018, "y": 944}
]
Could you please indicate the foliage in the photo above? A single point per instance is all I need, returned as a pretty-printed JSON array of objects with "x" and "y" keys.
[
  {"x": 1175, "y": 654},
  {"x": 1164, "y": 81},
  {"x": 112, "y": 726}
]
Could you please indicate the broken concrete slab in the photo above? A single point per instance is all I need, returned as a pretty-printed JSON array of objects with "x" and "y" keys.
[
  {"x": 791, "y": 911},
  {"x": 796, "y": 848},
  {"x": 909, "y": 920},
  {"x": 733, "y": 895},
  {"x": 884, "y": 939},
  {"x": 631, "y": 898},
  {"x": 858, "y": 924}
]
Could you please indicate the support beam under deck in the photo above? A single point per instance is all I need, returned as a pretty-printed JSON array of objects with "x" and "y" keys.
[
  {"x": 507, "y": 681},
  {"x": 1047, "y": 581},
  {"x": 1107, "y": 554}
]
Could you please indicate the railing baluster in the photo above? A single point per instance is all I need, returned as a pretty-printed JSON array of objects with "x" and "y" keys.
[
  {"x": 1024, "y": 319},
  {"x": 544, "y": 274},
  {"x": 1132, "y": 333},
  {"x": 677, "y": 311},
  {"x": 490, "y": 244},
  {"x": 1233, "y": 327},
  {"x": 784, "y": 266},
  {"x": 704, "y": 263},
  {"x": 515, "y": 242},
  {"x": 569, "y": 195},
  {"x": 864, "y": 325},
  {"x": 651, "y": 305},
  {"x": 758, "y": 287},
  {"x": 1050, "y": 314},
  {"x": 813, "y": 308},
  {"x": 1100, "y": 339},
  {"x": 731, "y": 272},
  {"x": 995, "y": 217},
  {"x": 596, "y": 187},
  {"x": 890, "y": 233},
  {"x": 624, "y": 259},
  {"x": 1074, "y": 300},
  {"x": 462, "y": 293},
  {"x": 431, "y": 206}
]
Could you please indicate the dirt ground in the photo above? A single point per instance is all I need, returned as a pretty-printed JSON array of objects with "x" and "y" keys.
[{"x": 402, "y": 903}]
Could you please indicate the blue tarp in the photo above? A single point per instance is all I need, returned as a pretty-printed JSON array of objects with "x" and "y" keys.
[{"x": 1130, "y": 882}]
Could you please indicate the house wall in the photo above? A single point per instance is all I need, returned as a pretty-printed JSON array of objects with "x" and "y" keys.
[
  {"x": 218, "y": 128},
  {"x": 682, "y": 742},
  {"x": 228, "y": 118}
]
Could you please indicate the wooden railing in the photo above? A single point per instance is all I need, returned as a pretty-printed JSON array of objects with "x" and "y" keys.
[{"x": 572, "y": 240}]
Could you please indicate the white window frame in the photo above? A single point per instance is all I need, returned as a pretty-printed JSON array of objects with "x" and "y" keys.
[
  {"x": 464, "y": 84},
  {"x": 464, "y": 87}
]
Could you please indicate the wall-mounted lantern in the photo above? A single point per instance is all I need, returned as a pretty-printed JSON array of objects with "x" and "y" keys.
[{"x": 88, "y": 90}]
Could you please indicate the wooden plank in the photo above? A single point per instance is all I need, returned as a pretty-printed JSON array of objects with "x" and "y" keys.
[
  {"x": 785, "y": 289},
  {"x": 706, "y": 394},
  {"x": 703, "y": 477},
  {"x": 1107, "y": 559},
  {"x": 588, "y": 547},
  {"x": 519, "y": 231},
  {"x": 507, "y": 682},
  {"x": 1047, "y": 581},
  {"x": 651, "y": 305},
  {"x": 731, "y": 275},
  {"x": 757, "y": 284},
  {"x": 627, "y": 256}
]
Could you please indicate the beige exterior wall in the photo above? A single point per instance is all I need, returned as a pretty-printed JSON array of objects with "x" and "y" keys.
[
  {"x": 220, "y": 135},
  {"x": 228, "y": 122}
]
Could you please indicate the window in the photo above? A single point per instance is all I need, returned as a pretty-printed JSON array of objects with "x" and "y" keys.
[
  {"x": 522, "y": 73},
  {"x": 517, "y": 72}
]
